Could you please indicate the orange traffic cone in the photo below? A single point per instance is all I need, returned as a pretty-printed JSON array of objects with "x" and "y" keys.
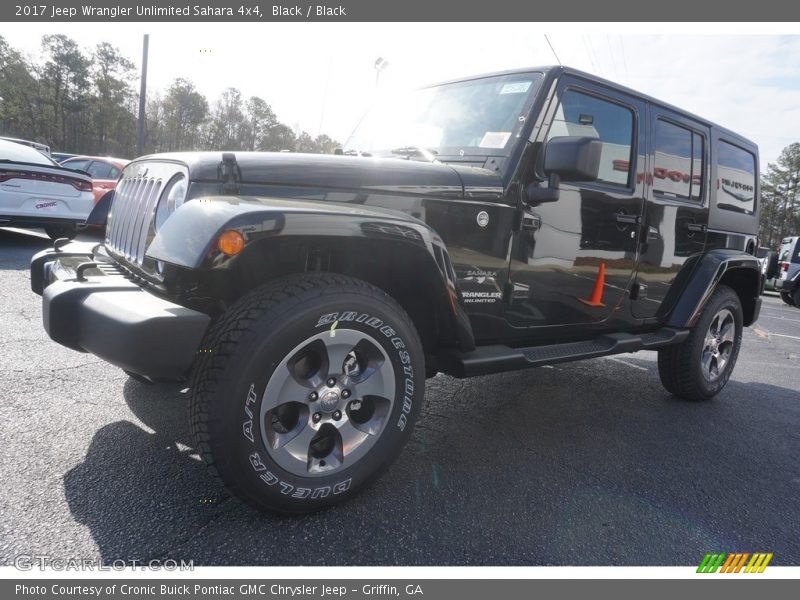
[{"x": 596, "y": 299}]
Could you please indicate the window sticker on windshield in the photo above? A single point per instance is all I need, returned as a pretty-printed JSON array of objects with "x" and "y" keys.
[
  {"x": 495, "y": 139},
  {"x": 517, "y": 87}
]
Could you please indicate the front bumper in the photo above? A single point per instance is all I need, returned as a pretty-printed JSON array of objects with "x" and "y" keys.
[{"x": 104, "y": 313}]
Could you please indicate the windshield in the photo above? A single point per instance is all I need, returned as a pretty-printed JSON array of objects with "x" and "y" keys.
[{"x": 480, "y": 117}]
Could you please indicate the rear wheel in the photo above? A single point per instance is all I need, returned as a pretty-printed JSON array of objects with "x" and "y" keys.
[
  {"x": 796, "y": 297},
  {"x": 772, "y": 265},
  {"x": 700, "y": 366},
  {"x": 307, "y": 390},
  {"x": 787, "y": 297},
  {"x": 55, "y": 232}
]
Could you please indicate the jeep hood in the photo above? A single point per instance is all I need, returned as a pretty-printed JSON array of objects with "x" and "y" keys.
[{"x": 345, "y": 172}]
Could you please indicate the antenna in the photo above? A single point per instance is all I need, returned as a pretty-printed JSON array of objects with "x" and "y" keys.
[{"x": 553, "y": 50}]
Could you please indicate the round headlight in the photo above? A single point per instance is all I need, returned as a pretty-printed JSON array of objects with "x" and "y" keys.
[{"x": 171, "y": 198}]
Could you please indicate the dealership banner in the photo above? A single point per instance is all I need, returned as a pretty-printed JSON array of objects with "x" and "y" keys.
[
  {"x": 405, "y": 10},
  {"x": 423, "y": 589}
]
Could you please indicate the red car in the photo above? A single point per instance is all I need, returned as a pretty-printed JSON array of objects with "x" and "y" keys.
[{"x": 103, "y": 170}]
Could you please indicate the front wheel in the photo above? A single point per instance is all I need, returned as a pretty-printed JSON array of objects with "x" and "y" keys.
[
  {"x": 306, "y": 390},
  {"x": 787, "y": 298},
  {"x": 700, "y": 366}
]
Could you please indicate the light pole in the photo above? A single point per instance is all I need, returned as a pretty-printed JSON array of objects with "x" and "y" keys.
[
  {"x": 142, "y": 98},
  {"x": 794, "y": 187},
  {"x": 380, "y": 66},
  {"x": 789, "y": 196}
]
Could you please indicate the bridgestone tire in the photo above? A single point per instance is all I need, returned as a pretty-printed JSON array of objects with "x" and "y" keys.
[
  {"x": 55, "y": 232},
  {"x": 252, "y": 342},
  {"x": 680, "y": 366},
  {"x": 787, "y": 298}
]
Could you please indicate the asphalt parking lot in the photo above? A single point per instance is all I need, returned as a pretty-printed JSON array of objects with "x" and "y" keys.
[{"x": 589, "y": 463}]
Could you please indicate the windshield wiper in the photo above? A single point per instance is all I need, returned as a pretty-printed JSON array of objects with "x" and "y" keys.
[
  {"x": 355, "y": 152},
  {"x": 409, "y": 151}
]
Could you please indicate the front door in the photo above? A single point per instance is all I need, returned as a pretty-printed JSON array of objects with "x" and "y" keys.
[{"x": 573, "y": 261}]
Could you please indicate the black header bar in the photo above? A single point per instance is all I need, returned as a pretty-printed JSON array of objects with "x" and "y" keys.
[{"x": 399, "y": 10}]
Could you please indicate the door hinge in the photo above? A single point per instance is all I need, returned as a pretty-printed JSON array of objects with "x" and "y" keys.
[
  {"x": 229, "y": 173},
  {"x": 638, "y": 291},
  {"x": 531, "y": 222}
]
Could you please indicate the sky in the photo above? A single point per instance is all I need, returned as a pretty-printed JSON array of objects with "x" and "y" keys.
[{"x": 320, "y": 77}]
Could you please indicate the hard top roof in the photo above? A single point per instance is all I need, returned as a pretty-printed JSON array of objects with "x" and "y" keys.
[{"x": 556, "y": 71}]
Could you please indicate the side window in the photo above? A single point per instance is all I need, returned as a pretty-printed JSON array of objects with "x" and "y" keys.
[
  {"x": 114, "y": 173},
  {"x": 580, "y": 114},
  {"x": 736, "y": 172},
  {"x": 79, "y": 164},
  {"x": 678, "y": 170},
  {"x": 100, "y": 170}
]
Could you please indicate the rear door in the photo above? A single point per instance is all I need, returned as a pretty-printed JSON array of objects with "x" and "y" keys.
[{"x": 676, "y": 216}]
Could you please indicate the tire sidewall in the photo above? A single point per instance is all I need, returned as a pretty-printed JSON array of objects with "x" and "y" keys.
[{"x": 256, "y": 476}]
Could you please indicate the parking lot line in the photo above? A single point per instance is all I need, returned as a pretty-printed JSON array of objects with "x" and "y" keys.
[
  {"x": 780, "y": 318},
  {"x": 791, "y": 337},
  {"x": 627, "y": 364}
]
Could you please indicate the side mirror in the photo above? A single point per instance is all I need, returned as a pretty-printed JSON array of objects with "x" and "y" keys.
[{"x": 571, "y": 158}]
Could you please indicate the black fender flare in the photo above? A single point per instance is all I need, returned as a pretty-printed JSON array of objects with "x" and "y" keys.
[
  {"x": 715, "y": 267},
  {"x": 188, "y": 238}
]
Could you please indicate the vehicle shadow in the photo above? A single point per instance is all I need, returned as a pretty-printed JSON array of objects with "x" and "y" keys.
[
  {"x": 547, "y": 469},
  {"x": 139, "y": 488}
]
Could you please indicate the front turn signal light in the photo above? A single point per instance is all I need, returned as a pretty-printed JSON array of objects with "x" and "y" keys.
[{"x": 231, "y": 242}]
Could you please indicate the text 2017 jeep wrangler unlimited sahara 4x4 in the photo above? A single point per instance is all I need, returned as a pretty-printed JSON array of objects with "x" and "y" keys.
[{"x": 483, "y": 225}]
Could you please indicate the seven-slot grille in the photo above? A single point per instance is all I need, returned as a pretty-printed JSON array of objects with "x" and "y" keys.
[{"x": 130, "y": 222}]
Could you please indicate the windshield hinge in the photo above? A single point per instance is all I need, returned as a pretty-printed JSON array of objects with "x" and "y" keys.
[{"x": 229, "y": 173}]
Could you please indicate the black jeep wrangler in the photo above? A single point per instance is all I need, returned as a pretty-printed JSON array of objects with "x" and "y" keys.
[{"x": 488, "y": 224}]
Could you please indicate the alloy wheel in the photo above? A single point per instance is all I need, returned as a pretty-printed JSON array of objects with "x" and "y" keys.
[
  {"x": 718, "y": 345},
  {"x": 327, "y": 402}
]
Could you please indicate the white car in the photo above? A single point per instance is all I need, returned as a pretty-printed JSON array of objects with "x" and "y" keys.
[{"x": 35, "y": 191}]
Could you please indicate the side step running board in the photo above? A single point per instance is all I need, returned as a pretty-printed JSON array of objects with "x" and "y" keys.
[{"x": 496, "y": 359}]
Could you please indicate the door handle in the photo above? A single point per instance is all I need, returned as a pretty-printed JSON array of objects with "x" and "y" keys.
[
  {"x": 627, "y": 219},
  {"x": 696, "y": 227}
]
